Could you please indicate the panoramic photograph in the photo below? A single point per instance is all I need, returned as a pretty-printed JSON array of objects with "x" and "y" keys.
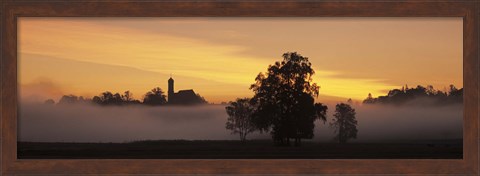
[{"x": 240, "y": 88}]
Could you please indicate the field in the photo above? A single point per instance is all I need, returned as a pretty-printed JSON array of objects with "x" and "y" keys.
[{"x": 256, "y": 149}]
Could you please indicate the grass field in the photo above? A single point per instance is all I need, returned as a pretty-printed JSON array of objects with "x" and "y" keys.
[{"x": 256, "y": 149}]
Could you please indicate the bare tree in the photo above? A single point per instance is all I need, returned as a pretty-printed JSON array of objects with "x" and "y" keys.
[{"x": 239, "y": 120}]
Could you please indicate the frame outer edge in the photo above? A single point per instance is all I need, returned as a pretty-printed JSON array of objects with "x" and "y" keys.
[
  {"x": 3, "y": 59},
  {"x": 2, "y": 26},
  {"x": 477, "y": 25}
]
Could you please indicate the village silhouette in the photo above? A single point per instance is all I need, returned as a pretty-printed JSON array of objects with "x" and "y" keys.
[{"x": 154, "y": 97}]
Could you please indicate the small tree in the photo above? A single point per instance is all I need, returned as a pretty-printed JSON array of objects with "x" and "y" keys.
[
  {"x": 344, "y": 123},
  {"x": 49, "y": 102},
  {"x": 155, "y": 97},
  {"x": 350, "y": 101},
  {"x": 370, "y": 99},
  {"x": 239, "y": 120},
  {"x": 127, "y": 96},
  {"x": 68, "y": 99},
  {"x": 128, "y": 99}
]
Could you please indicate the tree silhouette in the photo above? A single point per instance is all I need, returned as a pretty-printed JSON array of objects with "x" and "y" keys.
[
  {"x": 108, "y": 98},
  {"x": 49, "y": 102},
  {"x": 239, "y": 120},
  {"x": 456, "y": 95},
  {"x": 350, "y": 101},
  {"x": 405, "y": 95},
  {"x": 68, "y": 99},
  {"x": 370, "y": 99},
  {"x": 284, "y": 96},
  {"x": 155, "y": 97},
  {"x": 97, "y": 100},
  {"x": 321, "y": 111},
  {"x": 344, "y": 123},
  {"x": 127, "y": 96}
]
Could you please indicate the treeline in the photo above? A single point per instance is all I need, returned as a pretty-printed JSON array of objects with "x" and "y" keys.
[
  {"x": 283, "y": 104},
  {"x": 154, "y": 97},
  {"x": 406, "y": 95}
]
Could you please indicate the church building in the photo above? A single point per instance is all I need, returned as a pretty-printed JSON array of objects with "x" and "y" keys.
[{"x": 182, "y": 97}]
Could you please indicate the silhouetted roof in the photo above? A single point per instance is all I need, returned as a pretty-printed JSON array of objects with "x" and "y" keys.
[
  {"x": 185, "y": 97},
  {"x": 188, "y": 91}
]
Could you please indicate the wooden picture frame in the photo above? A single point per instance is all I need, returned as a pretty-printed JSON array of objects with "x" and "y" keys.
[{"x": 11, "y": 10}]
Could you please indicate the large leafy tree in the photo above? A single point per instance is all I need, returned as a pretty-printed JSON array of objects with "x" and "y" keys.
[
  {"x": 239, "y": 120},
  {"x": 344, "y": 123},
  {"x": 284, "y": 97}
]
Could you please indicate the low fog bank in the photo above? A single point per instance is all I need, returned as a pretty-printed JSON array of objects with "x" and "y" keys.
[
  {"x": 91, "y": 123},
  {"x": 389, "y": 123}
]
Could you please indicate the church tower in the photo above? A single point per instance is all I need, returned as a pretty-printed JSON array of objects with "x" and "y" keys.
[{"x": 171, "y": 91}]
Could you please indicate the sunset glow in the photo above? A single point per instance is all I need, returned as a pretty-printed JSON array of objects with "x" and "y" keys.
[{"x": 220, "y": 57}]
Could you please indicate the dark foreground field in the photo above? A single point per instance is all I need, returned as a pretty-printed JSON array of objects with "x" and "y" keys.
[{"x": 261, "y": 149}]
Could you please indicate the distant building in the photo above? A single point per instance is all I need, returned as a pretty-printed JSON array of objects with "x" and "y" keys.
[{"x": 182, "y": 97}]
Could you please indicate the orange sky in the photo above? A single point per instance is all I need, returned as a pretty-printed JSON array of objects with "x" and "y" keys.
[{"x": 220, "y": 57}]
